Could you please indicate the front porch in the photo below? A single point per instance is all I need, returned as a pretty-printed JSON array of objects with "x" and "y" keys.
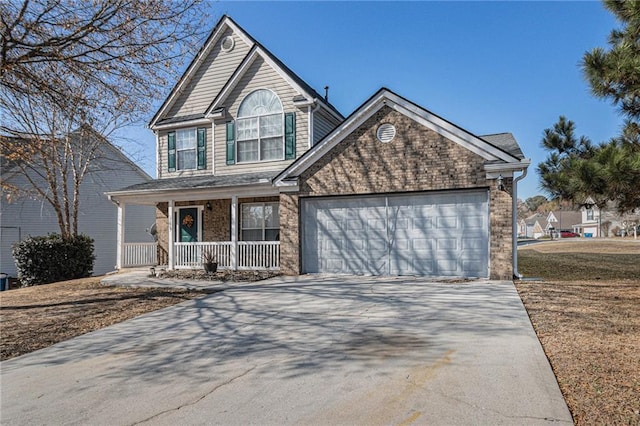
[
  {"x": 241, "y": 256},
  {"x": 239, "y": 227}
]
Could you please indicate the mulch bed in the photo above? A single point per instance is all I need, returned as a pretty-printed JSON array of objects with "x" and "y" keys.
[{"x": 222, "y": 275}]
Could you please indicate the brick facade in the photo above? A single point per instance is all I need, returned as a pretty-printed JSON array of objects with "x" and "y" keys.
[{"x": 418, "y": 159}]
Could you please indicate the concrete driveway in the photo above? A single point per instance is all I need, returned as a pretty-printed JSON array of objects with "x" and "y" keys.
[{"x": 311, "y": 350}]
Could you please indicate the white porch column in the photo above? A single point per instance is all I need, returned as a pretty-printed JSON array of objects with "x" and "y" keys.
[
  {"x": 234, "y": 232},
  {"x": 171, "y": 230},
  {"x": 120, "y": 236}
]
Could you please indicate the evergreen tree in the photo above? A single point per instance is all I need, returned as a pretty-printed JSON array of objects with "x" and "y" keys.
[{"x": 615, "y": 73}]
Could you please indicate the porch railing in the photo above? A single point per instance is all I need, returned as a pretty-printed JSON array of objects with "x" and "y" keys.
[
  {"x": 254, "y": 255},
  {"x": 250, "y": 255},
  {"x": 189, "y": 255},
  {"x": 140, "y": 254}
]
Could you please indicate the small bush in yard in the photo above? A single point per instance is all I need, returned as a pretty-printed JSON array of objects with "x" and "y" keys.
[{"x": 42, "y": 260}]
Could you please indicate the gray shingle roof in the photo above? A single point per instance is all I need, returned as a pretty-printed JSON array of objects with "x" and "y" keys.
[
  {"x": 180, "y": 119},
  {"x": 202, "y": 182},
  {"x": 506, "y": 142}
]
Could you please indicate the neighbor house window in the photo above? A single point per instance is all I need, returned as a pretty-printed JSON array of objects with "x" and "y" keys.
[
  {"x": 589, "y": 214},
  {"x": 260, "y": 135},
  {"x": 260, "y": 222}
]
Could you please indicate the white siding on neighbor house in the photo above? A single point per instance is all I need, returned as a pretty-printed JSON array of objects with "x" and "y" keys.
[
  {"x": 260, "y": 75},
  {"x": 163, "y": 154},
  {"x": 209, "y": 78},
  {"x": 323, "y": 123},
  {"x": 97, "y": 216}
]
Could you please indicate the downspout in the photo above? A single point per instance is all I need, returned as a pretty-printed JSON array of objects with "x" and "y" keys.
[{"x": 514, "y": 230}]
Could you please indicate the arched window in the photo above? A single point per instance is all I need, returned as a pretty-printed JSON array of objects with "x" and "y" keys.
[{"x": 260, "y": 127}]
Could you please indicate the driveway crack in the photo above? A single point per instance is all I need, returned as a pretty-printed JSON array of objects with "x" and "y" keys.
[{"x": 195, "y": 401}]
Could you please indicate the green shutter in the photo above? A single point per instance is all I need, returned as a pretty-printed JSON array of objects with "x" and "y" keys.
[
  {"x": 290, "y": 136},
  {"x": 231, "y": 143},
  {"x": 171, "y": 145},
  {"x": 202, "y": 148}
]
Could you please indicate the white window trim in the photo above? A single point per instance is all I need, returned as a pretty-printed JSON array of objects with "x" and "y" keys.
[
  {"x": 177, "y": 221},
  {"x": 194, "y": 149},
  {"x": 237, "y": 139},
  {"x": 263, "y": 228}
]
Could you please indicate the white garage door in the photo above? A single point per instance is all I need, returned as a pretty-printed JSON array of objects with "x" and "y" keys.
[{"x": 436, "y": 234}]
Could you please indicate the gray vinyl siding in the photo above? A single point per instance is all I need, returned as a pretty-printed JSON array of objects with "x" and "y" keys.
[
  {"x": 97, "y": 217},
  {"x": 163, "y": 158},
  {"x": 323, "y": 123},
  {"x": 209, "y": 78},
  {"x": 260, "y": 75}
]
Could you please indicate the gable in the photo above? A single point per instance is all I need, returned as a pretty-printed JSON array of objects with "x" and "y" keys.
[
  {"x": 214, "y": 70},
  {"x": 417, "y": 158},
  {"x": 210, "y": 77},
  {"x": 202, "y": 75},
  {"x": 496, "y": 160},
  {"x": 260, "y": 75}
]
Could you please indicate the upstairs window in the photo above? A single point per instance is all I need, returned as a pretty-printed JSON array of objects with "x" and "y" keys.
[
  {"x": 260, "y": 133},
  {"x": 187, "y": 149},
  {"x": 589, "y": 214}
]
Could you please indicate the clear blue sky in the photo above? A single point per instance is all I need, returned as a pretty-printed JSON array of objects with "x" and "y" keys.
[{"x": 488, "y": 67}]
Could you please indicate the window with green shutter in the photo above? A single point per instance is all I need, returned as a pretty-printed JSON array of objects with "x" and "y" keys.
[
  {"x": 171, "y": 145},
  {"x": 202, "y": 148},
  {"x": 231, "y": 142},
  {"x": 289, "y": 136}
]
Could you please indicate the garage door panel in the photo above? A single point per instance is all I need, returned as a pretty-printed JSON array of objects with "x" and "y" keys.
[{"x": 425, "y": 234}]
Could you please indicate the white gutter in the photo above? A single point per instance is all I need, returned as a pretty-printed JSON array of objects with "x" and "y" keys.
[
  {"x": 187, "y": 123},
  {"x": 514, "y": 230}
]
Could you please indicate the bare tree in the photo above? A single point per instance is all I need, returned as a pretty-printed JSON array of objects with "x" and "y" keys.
[
  {"x": 120, "y": 52},
  {"x": 74, "y": 71},
  {"x": 52, "y": 160}
]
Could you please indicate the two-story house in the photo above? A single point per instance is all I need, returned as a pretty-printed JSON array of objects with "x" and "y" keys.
[{"x": 256, "y": 166}]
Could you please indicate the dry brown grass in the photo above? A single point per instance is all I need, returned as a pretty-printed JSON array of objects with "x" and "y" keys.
[
  {"x": 589, "y": 328},
  {"x": 36, "y": 317}
]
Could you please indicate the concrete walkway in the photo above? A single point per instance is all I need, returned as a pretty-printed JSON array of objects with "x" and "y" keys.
[{"x": 308, "y": 350}]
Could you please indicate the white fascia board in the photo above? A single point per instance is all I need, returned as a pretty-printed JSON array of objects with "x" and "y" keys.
[
  {"x": 493, "y": 171},
  {"x": 152, "y": 197},
  {"x": 238, "y": 31},
  {"x": 448, "y": 130},
  {"x": 231, "y": 84},
  {"x": 196, "y": 64},
  {"x": 180, "y": 124}
]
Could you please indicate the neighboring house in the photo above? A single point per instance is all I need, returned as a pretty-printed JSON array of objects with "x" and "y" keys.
[
  {"x": 522, "y": 228},
  {"x": 606, "y": 222},
  {"x": 562, "y": 220},
  {"x": 257, "y": 167},
  {"x": 25, "y": 217},
  {"x": 535, "y": 225}
]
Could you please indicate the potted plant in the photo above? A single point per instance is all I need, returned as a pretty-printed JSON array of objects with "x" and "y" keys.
[{"x": 209, "y": 261}]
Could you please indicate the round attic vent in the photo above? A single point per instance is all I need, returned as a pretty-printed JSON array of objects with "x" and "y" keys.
[
  {"x": 386, "y": 133},
  {"x": 227, "y": 44}
]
